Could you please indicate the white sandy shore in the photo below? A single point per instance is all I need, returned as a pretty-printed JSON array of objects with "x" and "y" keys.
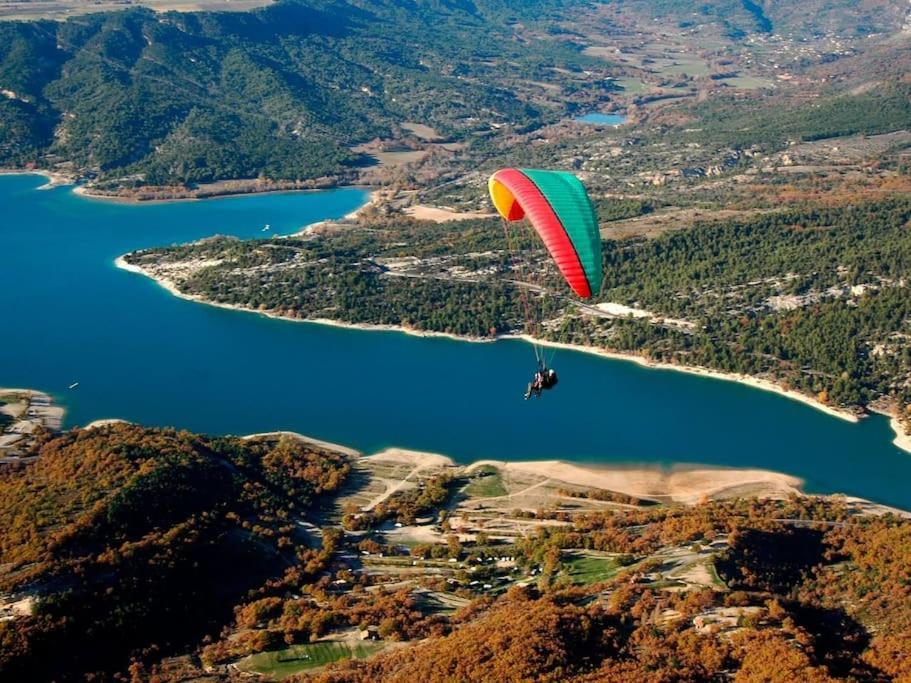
[
  {"x": 372, "y": 200},
  {"x": 439, "y": 214},
  {"x": 417, "y": 459},
  {"x": 687, "y": 485},
  {"x": 53, "y": 179},
  {"x": 681, "y": 485},
  {"x": 902, "y": 440},
  {"x": 95, "y": 424},
  {"x": 684, "y": 484},
  {"x": 755, "y": 382},
  {"x": 307, "y": 439}
]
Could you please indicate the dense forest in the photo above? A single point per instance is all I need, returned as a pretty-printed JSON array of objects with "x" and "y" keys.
[
  {"x": 776, "y": 122},
  {"x": 281, "y": 92}
]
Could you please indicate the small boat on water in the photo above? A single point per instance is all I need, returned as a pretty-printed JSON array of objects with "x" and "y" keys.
[
  {"x": 266, "y": 228},
  {"x": 74, "y": 385}
]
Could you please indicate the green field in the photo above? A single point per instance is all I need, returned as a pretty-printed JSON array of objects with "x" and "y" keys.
[
  {"x": 585, "y": 569},
  {"x": 687, "y": 66},
  {"x": 632, "y": 86},
  {"x": 717, "y": 581},
  {"x": 488, "y": 486},
  {"x": 280, "y": 664},
  {"x": 747, "y": 82}
]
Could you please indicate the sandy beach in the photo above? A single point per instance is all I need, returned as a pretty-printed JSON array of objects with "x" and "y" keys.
[
  {"x": 95, "y": 424},
  {"x": 418, "y": 459},
  {"x": 680, "y": 485},
  {"x": 53, "y": 179},
  {"x": 438, "y": 214},
  {"x": 902, "y": 440},
  {"x": 755, "y": 382},
  {"x": 685, "y": 485},
  {"x": 309, "y": 440},
  {"x": 372, "y": 200}
]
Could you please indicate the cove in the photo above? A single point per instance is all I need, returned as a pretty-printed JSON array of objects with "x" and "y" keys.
[{"x": 67, "y": 314}]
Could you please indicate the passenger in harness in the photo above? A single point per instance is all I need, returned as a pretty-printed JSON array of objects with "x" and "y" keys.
[{"x": 545, "y": 378}]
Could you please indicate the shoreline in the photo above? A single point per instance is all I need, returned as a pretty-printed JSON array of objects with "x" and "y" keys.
[
  {"x": 373, "y": 198},
  {"x": 82, "y": 191},
  {"x": 901, "y": 440},
  {"x": 685, "y": 483},
  {"x": 319, "y": 443},
  {"x": 56, "y": 179},
  {"x": 680, "y": 483},
  {"x": 748, "y": 380}
]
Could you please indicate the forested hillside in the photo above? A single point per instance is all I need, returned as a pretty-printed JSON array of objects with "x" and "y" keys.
[
  {"x": 129, "y": 553},
  {"x": 281, "y": 92},
  {"x": 137, "y": 542}
]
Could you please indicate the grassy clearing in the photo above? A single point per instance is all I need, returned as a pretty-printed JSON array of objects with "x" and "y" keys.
[
  {"x": 584, "y": 569},
  {"x": 747, "y": 82},
  {"x": 421, "y": 131},
  {"x": 399, "y": 158},
  {"x": 488, "y": 484},
  {"x": 686, "y": 66},
  {"x": 632, "y": 86},
  {"x": 280, "y": 664},
  {"x": 717, "y": 581}
]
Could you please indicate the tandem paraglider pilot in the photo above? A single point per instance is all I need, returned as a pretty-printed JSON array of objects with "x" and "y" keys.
[
  {"x": 558, "y": 209},
  {"x": 545, "y": 378}
]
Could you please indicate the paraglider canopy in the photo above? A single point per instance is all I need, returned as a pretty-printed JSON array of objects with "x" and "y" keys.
[{"x": 558, "y": 208}]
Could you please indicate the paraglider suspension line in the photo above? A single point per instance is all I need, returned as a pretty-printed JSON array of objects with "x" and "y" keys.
[{"x": 531, "y": 328}]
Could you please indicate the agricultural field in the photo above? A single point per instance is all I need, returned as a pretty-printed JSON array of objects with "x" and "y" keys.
[
  {"x": 487, "y": 482},
  {"x": 279, "y": 664},
  {"x": 584, "y": 569}
]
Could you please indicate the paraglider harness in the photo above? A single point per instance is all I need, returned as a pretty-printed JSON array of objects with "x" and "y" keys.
[{"x": 545, "y": 378}]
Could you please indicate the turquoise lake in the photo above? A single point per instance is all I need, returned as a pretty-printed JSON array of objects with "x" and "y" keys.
[
  {"x": 141, "y": 354},
  {"x": 603, "y": 119}
]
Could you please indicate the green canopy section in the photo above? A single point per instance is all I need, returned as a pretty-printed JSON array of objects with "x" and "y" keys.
[{"x": 567, "y": 197}]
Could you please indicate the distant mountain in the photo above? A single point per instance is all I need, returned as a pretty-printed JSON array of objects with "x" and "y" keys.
[
  {"x": 282, "y": 91},
  {"x": 802, "y": 20}
]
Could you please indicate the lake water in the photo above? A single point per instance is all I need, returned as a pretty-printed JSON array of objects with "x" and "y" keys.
[
  {"x": 141, "y": 354},
  {"x": 603, "y": 119}
]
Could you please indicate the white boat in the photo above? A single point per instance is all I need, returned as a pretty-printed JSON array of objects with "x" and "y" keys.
[
  {"x": 266, "y": 228},
  {"x": 74, "y": 385}
]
